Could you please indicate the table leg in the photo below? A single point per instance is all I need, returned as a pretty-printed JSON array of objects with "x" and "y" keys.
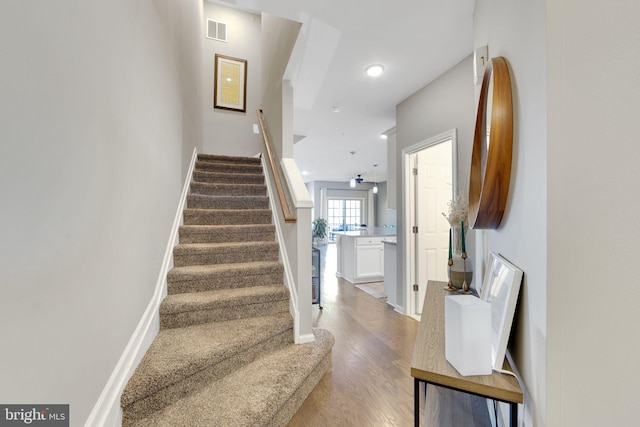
[
  {"x": 416, "y": 402},
  {"x": 514, "y": 414}
]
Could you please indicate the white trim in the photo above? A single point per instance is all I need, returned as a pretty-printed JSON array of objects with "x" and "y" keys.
[
  {"x": 297, "y": 189},
  {"x": 306, "y": 338},
  {"x": 107, "y": 411},
  {"x": 406, "y": 185}
]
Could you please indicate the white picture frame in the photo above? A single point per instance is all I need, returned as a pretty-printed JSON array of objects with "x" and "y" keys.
[{"x": 500, "y": 289}]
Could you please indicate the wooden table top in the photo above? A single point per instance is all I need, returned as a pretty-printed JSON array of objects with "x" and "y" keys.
[{"x": 430, "y": 365}]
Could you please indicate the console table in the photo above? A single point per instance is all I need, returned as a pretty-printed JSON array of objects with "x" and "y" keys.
[{"x": 429, "y": 365}]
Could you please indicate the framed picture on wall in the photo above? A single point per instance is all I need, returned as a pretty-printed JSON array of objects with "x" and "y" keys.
[
  {"x": 230, "y": 85},
  {"x": 500, "y": 289}
]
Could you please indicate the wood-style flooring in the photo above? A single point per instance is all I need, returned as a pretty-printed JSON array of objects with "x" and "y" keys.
[{"x": 370, "y": 382}]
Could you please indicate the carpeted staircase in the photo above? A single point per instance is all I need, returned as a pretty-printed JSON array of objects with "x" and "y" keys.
[{"x": 224, "y": 355}]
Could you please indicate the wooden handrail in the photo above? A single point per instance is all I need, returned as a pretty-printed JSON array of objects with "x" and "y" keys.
[{"x": 286, "y": 211}]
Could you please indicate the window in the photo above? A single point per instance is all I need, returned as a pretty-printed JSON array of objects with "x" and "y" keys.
[{"x": 344, "y": 214}]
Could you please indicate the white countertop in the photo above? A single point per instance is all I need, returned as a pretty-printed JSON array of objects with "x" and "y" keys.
[{"x": 368, "y": 232}]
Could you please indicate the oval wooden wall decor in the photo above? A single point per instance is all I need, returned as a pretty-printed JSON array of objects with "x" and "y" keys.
[{"x": 492, "y": 148}]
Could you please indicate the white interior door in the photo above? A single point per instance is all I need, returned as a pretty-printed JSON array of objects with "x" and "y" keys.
[
  {"x": 425, "y": 196},
  {"x": 434, "y": 189}
]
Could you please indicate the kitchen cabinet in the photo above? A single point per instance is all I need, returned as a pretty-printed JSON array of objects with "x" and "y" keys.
[{"x": 361, "y": 256}]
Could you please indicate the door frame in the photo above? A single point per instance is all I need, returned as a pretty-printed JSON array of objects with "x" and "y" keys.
[{"x": 407, "y": 203}]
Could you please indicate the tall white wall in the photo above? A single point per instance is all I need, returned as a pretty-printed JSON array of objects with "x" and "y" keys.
[
  {"x": 99, "y": 114},
  {"x": 516, "y": 30},
  {"x": 231, "y": 132},
  {"x": 279, "y": 36},
  {"x": 593, "y": 333},
  {"x": 444, "y": 104}
]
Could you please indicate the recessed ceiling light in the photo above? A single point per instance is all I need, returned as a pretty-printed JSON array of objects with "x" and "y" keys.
[
  {"x": 384, "y": 136},
  {"x": 374, "y": 70}
]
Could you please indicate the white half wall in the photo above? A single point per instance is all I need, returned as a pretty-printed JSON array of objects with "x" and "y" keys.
[{"x": 99, "y": 115}]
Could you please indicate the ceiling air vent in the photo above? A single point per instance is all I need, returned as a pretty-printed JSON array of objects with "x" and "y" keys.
[{"x": 216, "y": 30}]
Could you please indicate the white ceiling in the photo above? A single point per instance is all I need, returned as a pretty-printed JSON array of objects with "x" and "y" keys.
[{"x": 415, "y": 40}]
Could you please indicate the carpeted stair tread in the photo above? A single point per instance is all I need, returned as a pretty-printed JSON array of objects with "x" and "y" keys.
[
  {"x": 221, "y": 177},
  {"x": 195, "y": 278},
  {"x": 227, "y": 252},
  {"x": 226, "y": 233},
  {"x": 228, "y": 167},
  {"x": 225, "y": 270},
  {"x": 255, "y": 394},
  {"x": 194, "y": 216},
  {"x": 205, "y": 201},
  {"x": 185, "y": 309},
  {"x": 176, "y": 354},
  {"x": 235, "y": 189},
  {"x": 180, "y": 303}
]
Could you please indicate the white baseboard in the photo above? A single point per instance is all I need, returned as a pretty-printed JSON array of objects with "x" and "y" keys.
[
  {"x": 306, "y": 338},
  {"x": 107, "y": 411}
]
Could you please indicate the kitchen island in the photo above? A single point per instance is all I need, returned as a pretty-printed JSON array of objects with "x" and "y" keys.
[{"x": 361, "y": 254}]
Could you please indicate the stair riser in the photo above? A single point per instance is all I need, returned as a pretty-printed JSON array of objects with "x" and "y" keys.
[
  {"x": 198, "y": 201},
  {"x": 262, "y": 308},
  {"x": 217, "y": 257},
  {"x": 294, "y": 403},
  {"x": 228, "y": 178},
  {"x": 169, "y": 394},
  {"x": 221, "y": 217},
  {"x": 228, "y": 168},
  {"x": 220, "y": 282},
  {"x": 226, "y": 237},
  {"x": 216, "y": 158},
  {"x": 229, "y": 189}
]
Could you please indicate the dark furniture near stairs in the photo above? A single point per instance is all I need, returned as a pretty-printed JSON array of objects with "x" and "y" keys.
[{"x": 315, "y": 276}]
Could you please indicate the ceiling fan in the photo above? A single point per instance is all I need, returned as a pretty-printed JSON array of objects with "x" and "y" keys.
[{"x": 359, "y": 180}]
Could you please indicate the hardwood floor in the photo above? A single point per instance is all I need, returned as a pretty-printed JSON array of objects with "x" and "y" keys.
[{"x": 370, "y": 382}]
